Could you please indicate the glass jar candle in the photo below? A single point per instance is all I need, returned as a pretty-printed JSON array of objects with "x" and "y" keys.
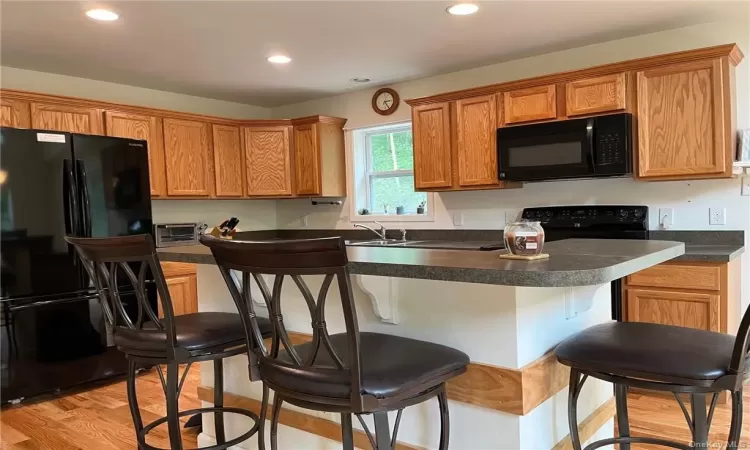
[{"x": 524, "y": 238}]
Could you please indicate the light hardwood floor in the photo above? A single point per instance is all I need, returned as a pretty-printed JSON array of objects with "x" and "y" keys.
[{"x": 100, "y": 419}]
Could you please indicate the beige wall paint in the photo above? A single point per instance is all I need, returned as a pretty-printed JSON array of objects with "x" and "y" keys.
[{"x": 50, "y": 83}]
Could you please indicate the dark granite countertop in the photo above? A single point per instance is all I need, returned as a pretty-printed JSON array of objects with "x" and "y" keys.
[
  {"x": 702, "y": 246},
  {"x": 572, "y": 262}
]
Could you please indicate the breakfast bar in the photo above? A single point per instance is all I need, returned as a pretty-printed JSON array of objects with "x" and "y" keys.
[{"x": 506, "y": 315}]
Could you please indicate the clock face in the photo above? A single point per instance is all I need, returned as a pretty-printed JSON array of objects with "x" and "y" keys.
[{"x": 385, "y": 101}]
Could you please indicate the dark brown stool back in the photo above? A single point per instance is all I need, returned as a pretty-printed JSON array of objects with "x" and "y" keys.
[
  {"x": 128, "y": 263},
  {"x": 109, "y": 260},
  {"x": 328, "y": 374}
]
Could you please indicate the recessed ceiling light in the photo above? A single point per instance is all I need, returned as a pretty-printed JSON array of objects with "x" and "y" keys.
[
  {"x": 102, "y": 14},
  {"x": 463, "y": 9},
  {"x": 279, "y": 59},
  {"x": 360, "y": 80}
]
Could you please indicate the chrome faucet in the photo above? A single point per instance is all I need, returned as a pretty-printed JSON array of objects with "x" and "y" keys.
[{"x": 381, "y": 233}]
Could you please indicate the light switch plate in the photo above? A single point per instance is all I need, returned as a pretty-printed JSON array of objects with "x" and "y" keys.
[
  {"x": 458, "y": 218},
  {"x": 303, "y": 221},
  {"x": 666, "y": 218},
  {"x": 717, "y": 216},
  {"x": 746, "y": 185}
]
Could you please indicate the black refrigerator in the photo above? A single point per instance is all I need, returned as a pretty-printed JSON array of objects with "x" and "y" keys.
[{"x": 53, "y": 335}]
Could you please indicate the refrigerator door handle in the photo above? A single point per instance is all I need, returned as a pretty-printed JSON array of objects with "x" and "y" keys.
[
  {"x": 71, "y": 204},
  {"x": 85, "y": 204}
]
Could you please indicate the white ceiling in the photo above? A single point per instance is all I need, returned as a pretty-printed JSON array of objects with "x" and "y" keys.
[{"x": 218, "y": 49}]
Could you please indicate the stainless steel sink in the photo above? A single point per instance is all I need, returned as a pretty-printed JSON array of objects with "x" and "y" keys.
[{"x": 380, "y": 243}]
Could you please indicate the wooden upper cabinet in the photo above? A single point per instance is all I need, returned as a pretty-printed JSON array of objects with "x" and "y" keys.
[
  {"x": 68, "y": 118},
  {"x": 431, "y": 128},
  {"x": 530, "y": 104},
  {"x": 307, "y": 159},
  {"x": 684, "y": 309},
  {"x": 267, "y": 161},
  {"x": 595, "y": 95},
  {"x": 229, "y": 161},
  {"x": 684, "y": 121},
  {"x": 148, "y": 128},
  {"x": 476, "y": 131},
  {"x": 186, "y": 150},
  {"x": 15, "y": 113}
]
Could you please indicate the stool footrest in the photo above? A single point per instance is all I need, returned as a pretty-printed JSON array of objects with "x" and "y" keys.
[
  {"x": 141, "y": 435},
  {"x": 638, "y": 440}
]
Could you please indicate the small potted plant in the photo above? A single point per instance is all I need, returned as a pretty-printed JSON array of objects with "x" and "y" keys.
[
  {"x": 364, "y": 212},
  {"x": 400, "y": 210},
  {"x": 420, "y": 208}
]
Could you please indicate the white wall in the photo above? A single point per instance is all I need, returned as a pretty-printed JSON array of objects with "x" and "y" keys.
[
  {"x": 253, "y": 214},
  {"x": 488, "y": 209}
]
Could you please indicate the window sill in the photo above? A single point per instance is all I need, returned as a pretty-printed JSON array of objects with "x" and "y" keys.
[{"x": 393, "y": 218}]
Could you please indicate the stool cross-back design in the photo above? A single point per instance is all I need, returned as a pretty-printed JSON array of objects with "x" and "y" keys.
[
  {"x": 330, "y": 373},
  {"x": 660, "y": 358},
  {"x": 149, "y": 340}
]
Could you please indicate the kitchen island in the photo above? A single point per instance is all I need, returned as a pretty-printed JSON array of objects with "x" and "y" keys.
[{"x": 506, "y": 315}]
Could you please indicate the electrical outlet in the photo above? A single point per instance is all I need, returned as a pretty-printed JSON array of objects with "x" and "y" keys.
[
  {"x": 303, "y": 221},
  {"x": 717, "y": 216},
  {"x": 666, "y": 218},
  {"x": 746, "y": 185},
  {"x": 458, "y": 218}
]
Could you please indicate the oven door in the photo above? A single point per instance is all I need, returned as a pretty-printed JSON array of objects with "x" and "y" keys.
[{"x": 547, "y": 151}]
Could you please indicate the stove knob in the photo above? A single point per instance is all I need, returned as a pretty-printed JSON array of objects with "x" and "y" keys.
[
  {"x": 637, "y": 213},
  {"x": 622, "y": 213},
  {"x": 548, "y": 215}
]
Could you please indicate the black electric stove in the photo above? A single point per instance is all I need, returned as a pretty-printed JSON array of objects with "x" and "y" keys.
[{"x": 593, "y": 222}]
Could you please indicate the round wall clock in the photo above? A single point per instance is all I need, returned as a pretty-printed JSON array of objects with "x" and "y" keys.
[{"x": 385, "y": 101}]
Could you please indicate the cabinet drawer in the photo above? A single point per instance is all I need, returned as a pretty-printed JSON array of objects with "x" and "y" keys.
[
  {"x": 680, "y": 276},
  {"x": 172, "y": 269}
]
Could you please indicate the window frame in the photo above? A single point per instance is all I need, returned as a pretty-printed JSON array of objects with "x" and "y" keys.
[{"x": 359, "y": 140}]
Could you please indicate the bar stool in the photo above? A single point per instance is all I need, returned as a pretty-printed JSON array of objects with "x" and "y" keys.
[
  {"x": 120, "y": 266},
  {"x": 348, "y": 373},
  {"x": 660, "y": 358}
]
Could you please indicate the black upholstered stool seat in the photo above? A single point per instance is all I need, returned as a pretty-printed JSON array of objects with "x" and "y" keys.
[
  {"x": 194, "y": 333},
  {"x": 391, "y": 365},
  {"x": 650, "y": 351}
]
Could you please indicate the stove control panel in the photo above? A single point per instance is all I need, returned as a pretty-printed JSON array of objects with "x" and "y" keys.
[{"x": 588, "y": 216}]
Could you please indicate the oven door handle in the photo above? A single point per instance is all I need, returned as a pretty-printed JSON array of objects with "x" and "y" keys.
[{"x": 590, "y": 141}]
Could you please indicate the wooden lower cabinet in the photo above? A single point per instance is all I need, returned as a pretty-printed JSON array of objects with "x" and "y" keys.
[
  {"x": 683, "y": 309},
  {"x": 182, "y": 282},
  {"x": 686, "y": 294}
]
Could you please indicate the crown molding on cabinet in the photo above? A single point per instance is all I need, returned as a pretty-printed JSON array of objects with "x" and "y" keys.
[{"x": 728, "y": 50}]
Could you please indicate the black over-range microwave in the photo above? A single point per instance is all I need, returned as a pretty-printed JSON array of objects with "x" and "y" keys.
[{"x": 577, "y": 148}]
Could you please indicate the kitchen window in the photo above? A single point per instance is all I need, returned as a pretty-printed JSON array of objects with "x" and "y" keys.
[{"x": 385, "y": 185}]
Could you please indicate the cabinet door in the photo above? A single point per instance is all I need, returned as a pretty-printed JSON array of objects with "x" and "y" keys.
[
  {"x": 136, "y": 126},
  {"x": 60, "y": 117},
  {"x": 307, "y": 159},
  {"x": 183, "y": 290},
  {"x": 229, "y": 162},
  {"x": 15, "y": 113},
  {"x": 186, "y": 153},
  {"x": 684, "y": 309},
  {"x": 267, "y": 159},
  {"x": 683, "y": 121},
  {"x": 476, "y": 132},
  {"x": 526, "y": 105},
  {"x": 432, "y": 146},
  {"x": 595, "y": 95}
]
